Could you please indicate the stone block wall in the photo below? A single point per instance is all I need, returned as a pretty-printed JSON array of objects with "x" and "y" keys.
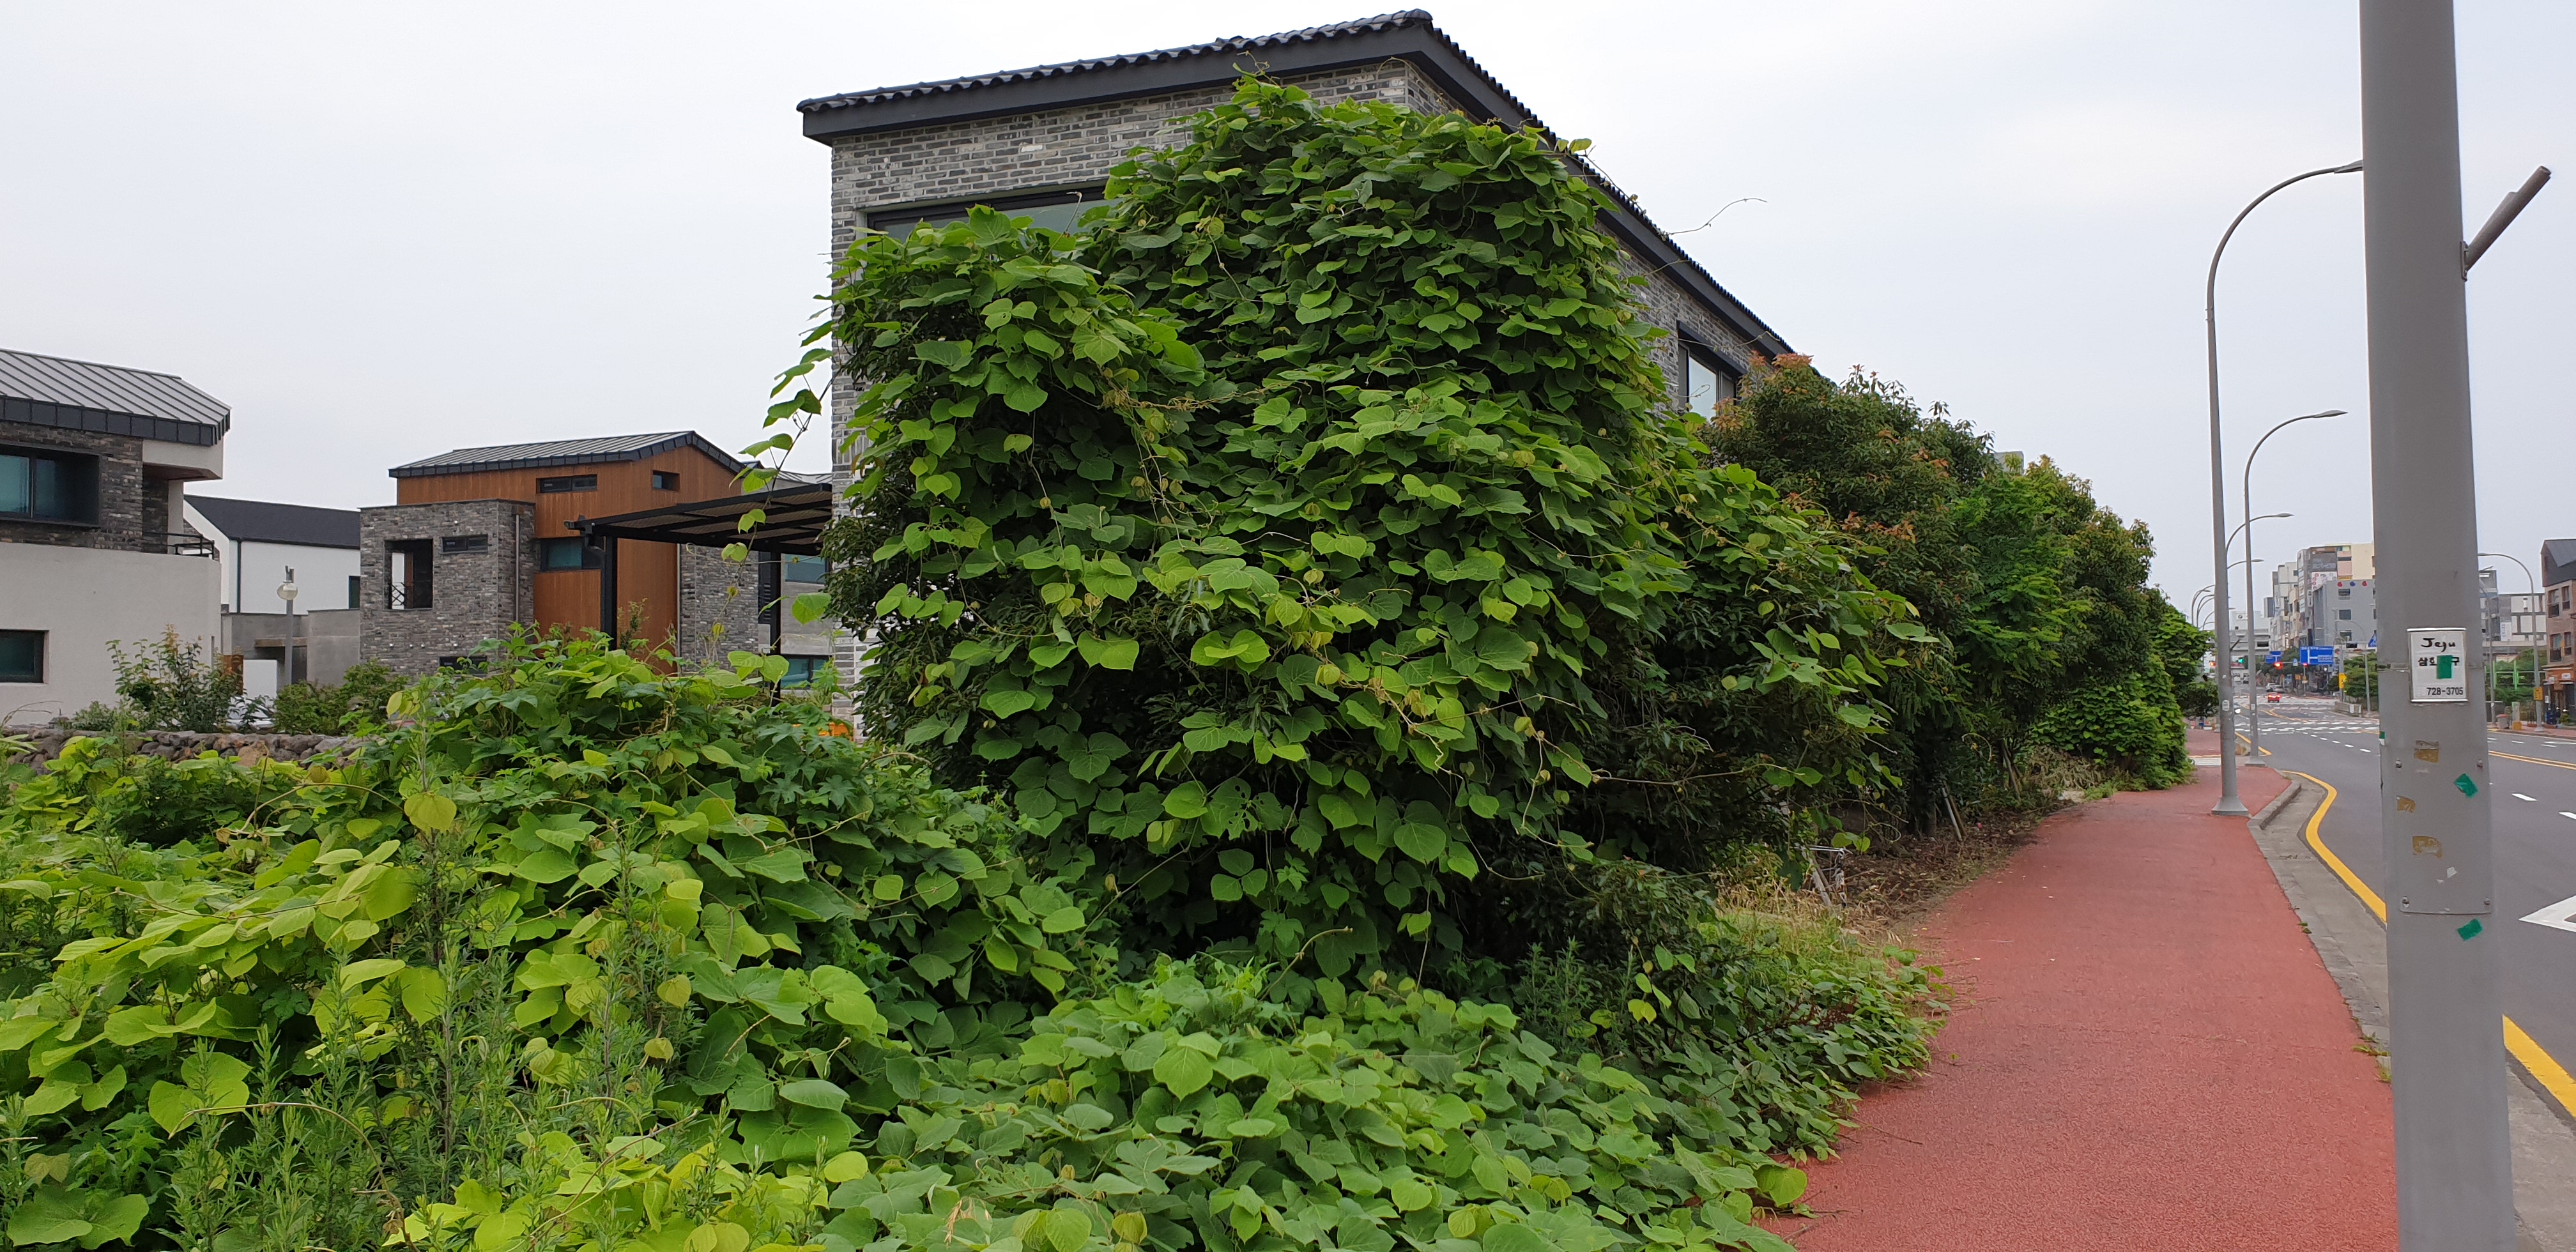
[
  {"x": 129, "y": 519},
  {"x": 719, "y": 606},
  {"x": 183, "y": 745},
  {"x": 474, "y": 596}
]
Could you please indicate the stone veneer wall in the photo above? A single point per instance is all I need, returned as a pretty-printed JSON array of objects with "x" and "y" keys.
[
  {"x": 181, "y": 745},
  {"x": 474, "y": 596},
  {"x": 719, "y": 606},
  {"x": 125, "y": 521}
]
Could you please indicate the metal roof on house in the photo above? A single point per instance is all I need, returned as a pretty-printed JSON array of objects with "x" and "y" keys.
[
  {"x": 1409, "y": 35},
  {"x": 112, "y": 399},
  {"x": 598, "y": 451},
  {"x": 1220, "y": 47},
  {"x": 264, "y": 521}
]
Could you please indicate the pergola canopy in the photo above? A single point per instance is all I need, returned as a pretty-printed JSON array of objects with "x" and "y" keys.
[{"x": 795, "y": 516}]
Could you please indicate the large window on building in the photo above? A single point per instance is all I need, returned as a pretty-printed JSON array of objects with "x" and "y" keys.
[
  {"x": 1059, "y": 210},
  {"x": 22, "y": 656},
  {"x": 42, "y": 486},
  {"x": 566, "y": 554}
]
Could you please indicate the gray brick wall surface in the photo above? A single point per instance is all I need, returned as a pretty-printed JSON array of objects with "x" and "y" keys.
[
  {"x": 126, "y": 503},
  {"x": 719, "y": 606},
  {"x": 475, "y": 596}
]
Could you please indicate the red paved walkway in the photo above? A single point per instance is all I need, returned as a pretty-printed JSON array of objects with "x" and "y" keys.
[{"x": 2146, "y": 1054}]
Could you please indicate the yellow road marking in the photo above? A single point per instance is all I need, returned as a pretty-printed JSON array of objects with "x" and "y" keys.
[
  {"x": 2553, "y": 1076},
  {"x": 2533, "y": 759},
  {"x": 2249, "y": 740}
]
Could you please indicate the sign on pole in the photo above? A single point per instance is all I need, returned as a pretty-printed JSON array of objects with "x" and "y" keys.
[{"x": 2437, "y": 658}]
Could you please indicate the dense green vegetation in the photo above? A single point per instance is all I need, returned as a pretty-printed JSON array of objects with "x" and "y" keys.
[
  {"x": 1324, "y": 709},
  {"x": 588, "y": 954}
]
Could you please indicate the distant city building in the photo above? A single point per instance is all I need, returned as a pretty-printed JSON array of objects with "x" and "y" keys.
[{"x": 2558, "y": 602}]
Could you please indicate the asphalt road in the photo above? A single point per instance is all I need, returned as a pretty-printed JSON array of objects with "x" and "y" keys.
[{"x": 2535, "y": 846}]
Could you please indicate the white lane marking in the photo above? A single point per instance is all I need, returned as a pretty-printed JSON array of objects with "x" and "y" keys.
[
  {"x": 2560, "y": 916},
  {"x": 2519, "y": 796},
  {"x": 2565, "y": 814}
]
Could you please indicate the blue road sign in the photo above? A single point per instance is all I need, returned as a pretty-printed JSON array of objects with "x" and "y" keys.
[{"x": 2316, "y": 656}]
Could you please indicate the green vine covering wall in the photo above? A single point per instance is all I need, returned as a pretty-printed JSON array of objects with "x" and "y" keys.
[{"x": 1301, "y": 540}]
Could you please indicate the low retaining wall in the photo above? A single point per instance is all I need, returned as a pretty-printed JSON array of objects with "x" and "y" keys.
[{"x": 176, "y": 745}]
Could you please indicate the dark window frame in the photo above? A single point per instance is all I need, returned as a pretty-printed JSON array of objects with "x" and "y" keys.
[
  {"x": 666, "y": 480},
  {"x": 1727, "y": 377},
  {"x": 566, "y": 484},
  {"x": 418, "y": 592},
  {"x": 464, "y": 545},
  {"x": 37, "y": 637},
  {"x": 902, "y": 219},
  {"x": 546, "y": 548},
  {"x": 357, "y": 589},
  {"x": 800, "y": 671},
  {"x": 80, "y": 485}
]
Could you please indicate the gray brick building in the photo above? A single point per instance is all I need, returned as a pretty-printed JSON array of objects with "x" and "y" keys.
[
  {"x": 437, "y": 580},
  {"x": 1041, "y": 142}
]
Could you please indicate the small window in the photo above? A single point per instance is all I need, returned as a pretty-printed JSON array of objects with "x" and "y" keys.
[
  {"x": 354, "y": 582},
  {"x": 569, "y": 482},
  {"x": 801, "y": 670},
  {"x": 1052, "y": 210},
  {"x": 801, "y": 569},
  {"x": 566, "y": 554},
  {"x": 1704, "y": 381},
  {"x": 22, "y": 656},
  {"x": 666, "y": 480},
  {"x": 407, "y": 585},
  {"x": 455, "y": 544},
  {"x": 2345, "y": 614},
  {"x": 49, "y": 486}
]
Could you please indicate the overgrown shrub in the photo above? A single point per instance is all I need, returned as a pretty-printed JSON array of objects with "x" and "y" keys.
[
  {"x": 349, "y": 706},
  {"x": 590, "y": 955},
  {"x": 170, "y": 685},
  {"x": 1309, "y": 536}
]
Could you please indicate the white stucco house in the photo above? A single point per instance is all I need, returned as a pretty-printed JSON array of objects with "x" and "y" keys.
[{"x": 94, "y": 543}]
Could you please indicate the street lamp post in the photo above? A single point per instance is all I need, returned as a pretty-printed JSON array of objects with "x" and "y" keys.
[
  {"x": 2228, "y": 803},
  {"x": 2534, "y": 585},
  {"x": 286, "y": 591},
  {"x": 2227, "y": 745},
  {"x": 2253, "y": 710}
]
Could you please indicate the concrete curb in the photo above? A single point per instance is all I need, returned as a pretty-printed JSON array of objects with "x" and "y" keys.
[{"x": 2353, "y": 947}]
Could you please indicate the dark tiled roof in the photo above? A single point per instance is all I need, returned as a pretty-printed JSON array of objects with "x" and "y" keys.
[
  {"x": 1216, "y": 48},
  {"x": 604, "y": 449},
  {"x": 262, "y": 521},
  {"x": 1409, "y": 34},
  {"x": 84, "y": 395}
]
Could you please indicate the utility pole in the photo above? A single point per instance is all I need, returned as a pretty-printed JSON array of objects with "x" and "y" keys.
[{"x": 2454, "y": 1161}]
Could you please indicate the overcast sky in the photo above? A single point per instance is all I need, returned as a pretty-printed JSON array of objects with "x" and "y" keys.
[{"x": 379, "y": 232}]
